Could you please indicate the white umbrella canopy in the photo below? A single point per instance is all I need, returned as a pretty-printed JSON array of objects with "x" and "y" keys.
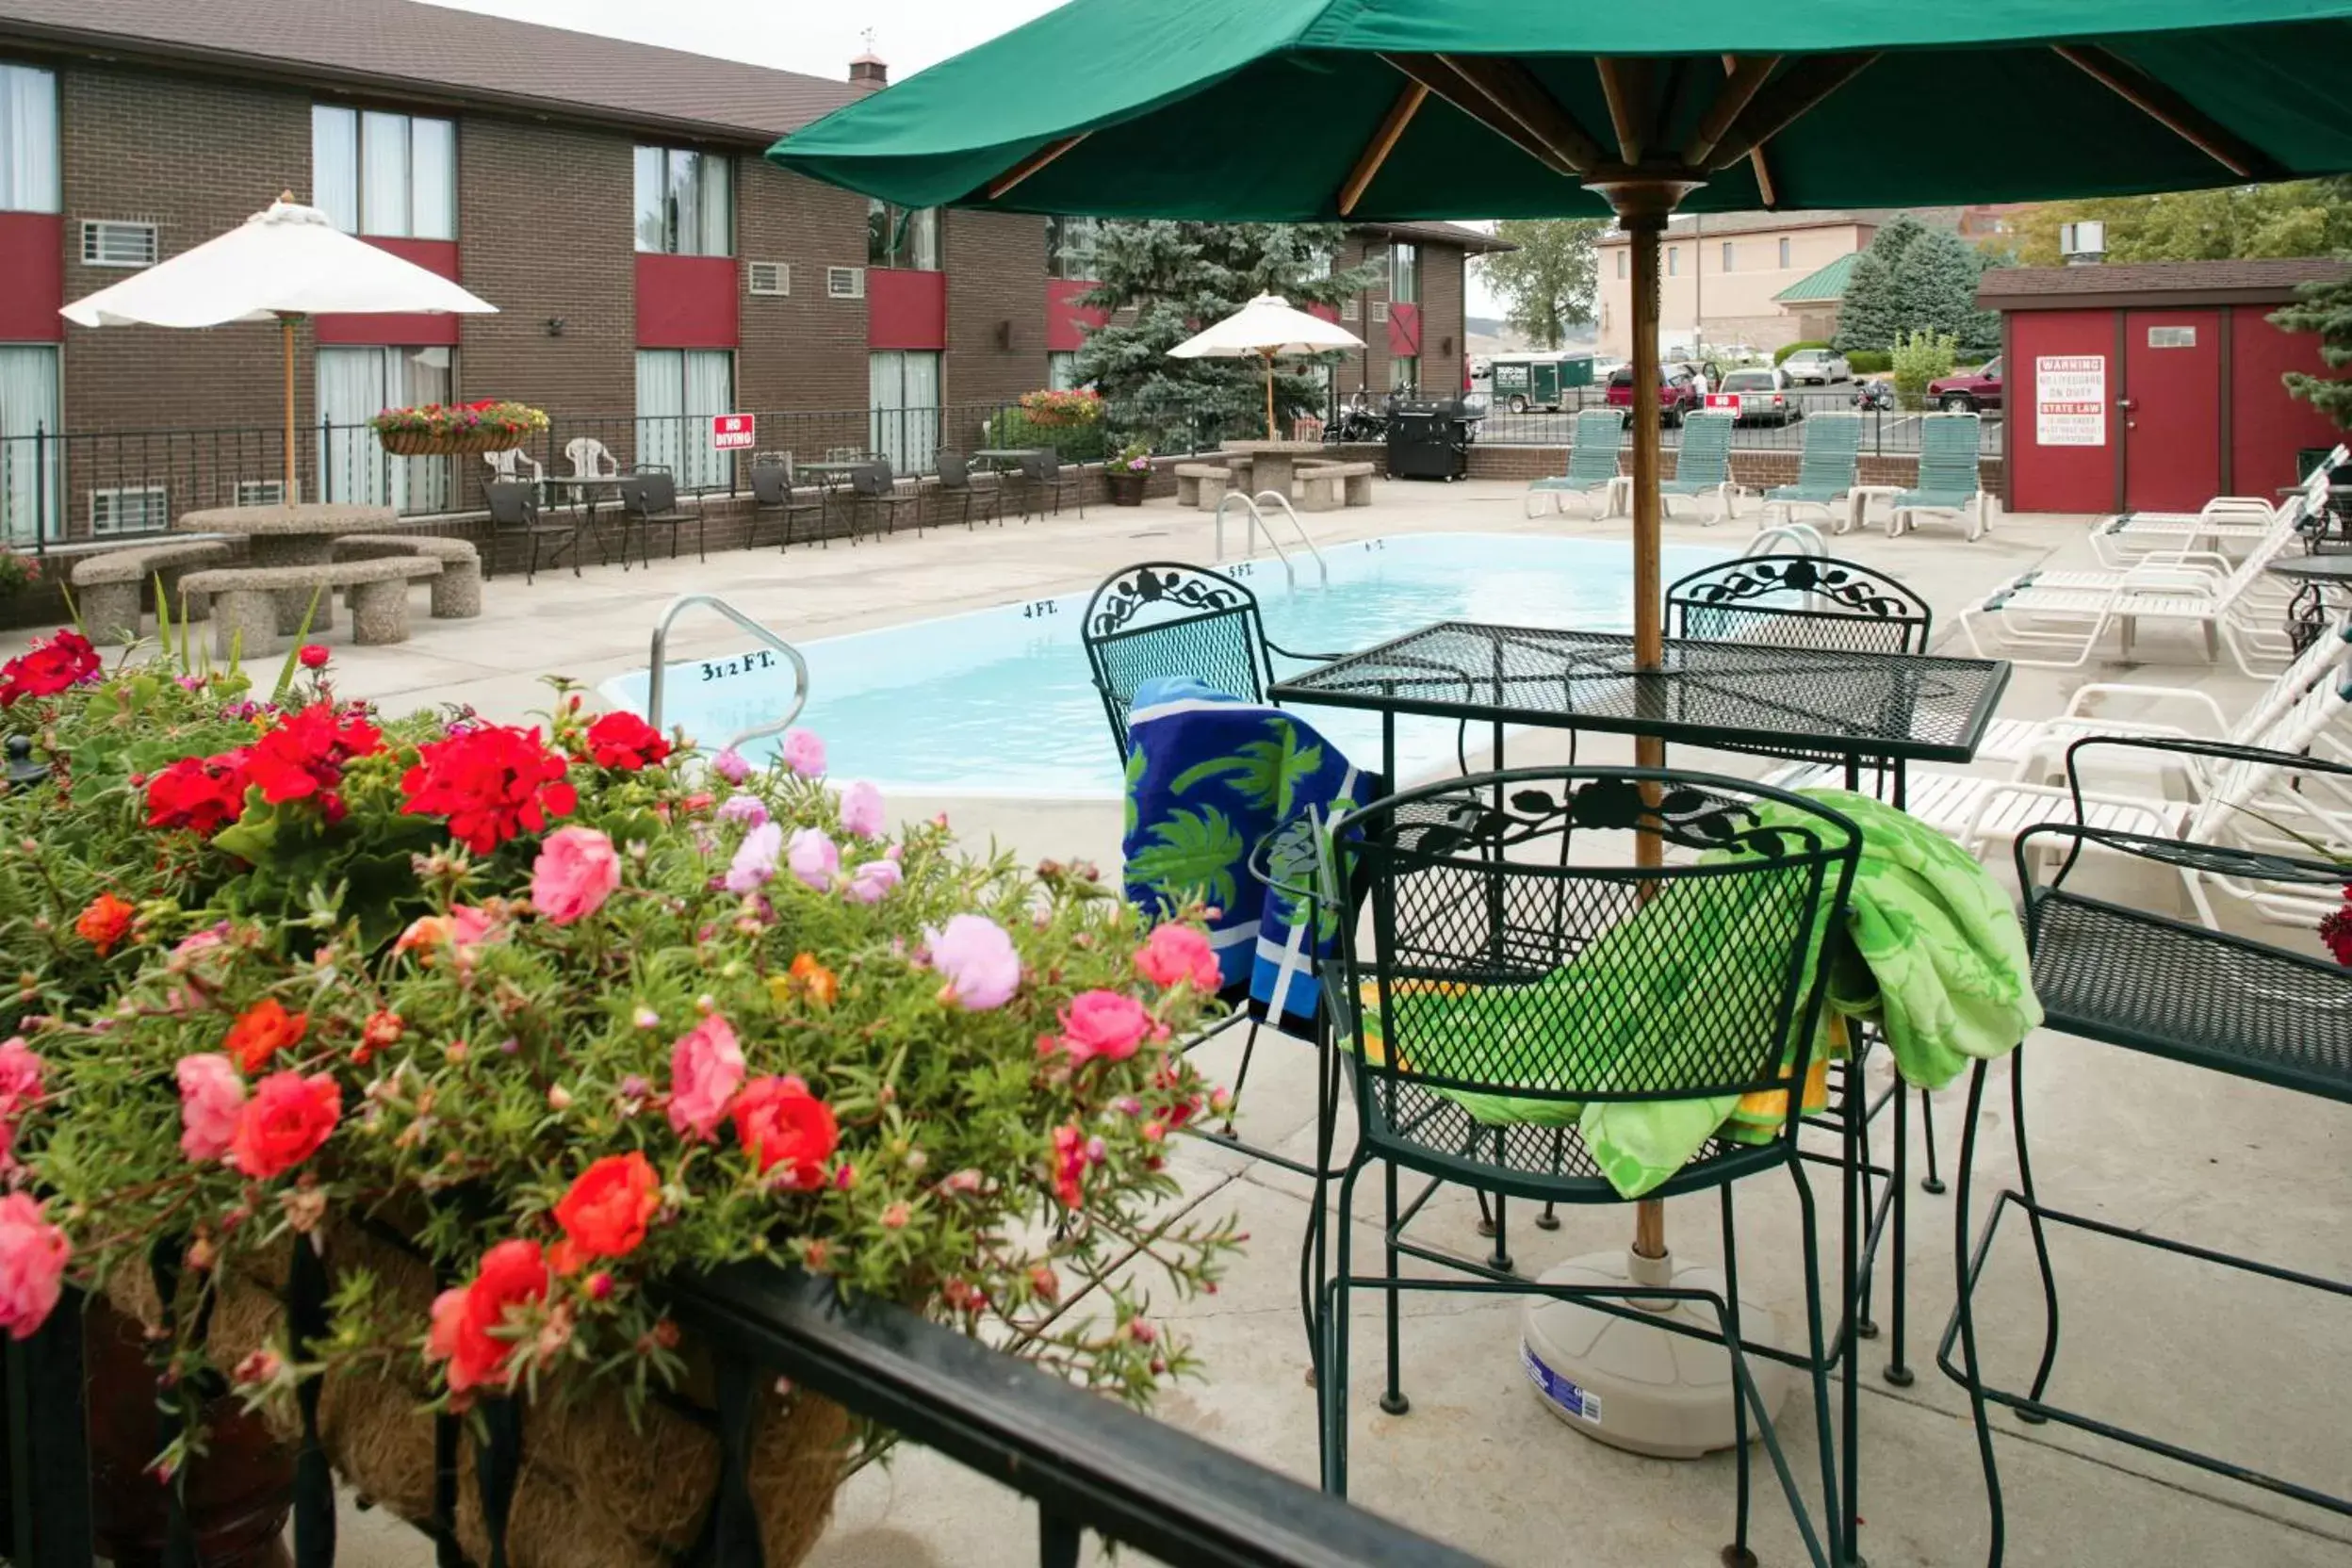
[
  {"x": 1269, "y": 328},
  {"x": 287, "y": 261}
]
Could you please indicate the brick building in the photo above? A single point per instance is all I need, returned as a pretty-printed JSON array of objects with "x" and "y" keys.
[{"x": 649, "y": 267}]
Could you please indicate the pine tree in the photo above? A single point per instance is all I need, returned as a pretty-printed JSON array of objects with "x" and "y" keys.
[
  {"x": 1915, "y": 279},
  {"x": 1866, "y": 315},
  {"x": 2324, "y": 308},
  {"x": 1179, "y": 277}
]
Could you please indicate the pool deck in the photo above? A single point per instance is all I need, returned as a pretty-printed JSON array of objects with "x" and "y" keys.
[{"x": 2163, "y": 1343}]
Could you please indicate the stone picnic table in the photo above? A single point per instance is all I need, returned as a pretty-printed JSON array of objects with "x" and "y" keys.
[
  {"x": 303, "y": 535},
  {"x": 1274, "y": 465}
]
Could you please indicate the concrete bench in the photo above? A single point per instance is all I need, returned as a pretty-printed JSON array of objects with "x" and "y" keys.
[
  {"x": 1327, "y": 486},
  {"x": 1204, "y": 484},
  {"x": 245, "y": 600},
  {"x": 107, "y": 588},
  {"x": 456, "y": 592}
]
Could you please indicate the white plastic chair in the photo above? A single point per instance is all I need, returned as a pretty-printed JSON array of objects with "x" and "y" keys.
[
  {"x": 589, "y": 459},
  {"x": 509, "y": 465}
]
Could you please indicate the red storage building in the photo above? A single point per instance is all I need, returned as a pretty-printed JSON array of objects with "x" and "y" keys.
[{"x": 2152, "y": 387}]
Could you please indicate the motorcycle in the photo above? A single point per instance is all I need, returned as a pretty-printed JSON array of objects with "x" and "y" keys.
[
  {"x": 1357, "y": 422},
  {"x": 1877, "y": 396}
]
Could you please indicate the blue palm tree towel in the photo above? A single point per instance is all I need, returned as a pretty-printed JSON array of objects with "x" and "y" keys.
[{"x": 1209, "y": 776}]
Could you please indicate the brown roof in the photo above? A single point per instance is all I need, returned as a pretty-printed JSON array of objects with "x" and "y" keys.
[
  {"x": 433, "y": 52},
  {"x": 2050, "y": 287},
  {"x": 1684, "y": 225},
  {"x": 1475, "y": 241}
]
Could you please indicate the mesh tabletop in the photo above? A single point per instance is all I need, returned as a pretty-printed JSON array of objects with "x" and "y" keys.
[{"x": 1864, "y": 704}]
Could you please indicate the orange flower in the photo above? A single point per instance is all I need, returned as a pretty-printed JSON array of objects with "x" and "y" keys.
[
  {"x": 261, "y": 1030},
  {"x": 106, "y": 922},
  {"x": 605, "y": 1212},
  {"x": 380, "y": 1033},
  {"x": 808, "y": 980}
]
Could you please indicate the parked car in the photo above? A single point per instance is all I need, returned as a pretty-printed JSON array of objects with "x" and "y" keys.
[
  {"x": 1816, "y": 366},
  {"x": 1968, "y": 391},
  {"x": 1757, "y": 397},
  {"x": 1677, "y": 395}
]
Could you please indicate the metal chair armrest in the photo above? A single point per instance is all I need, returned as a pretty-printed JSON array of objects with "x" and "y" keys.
[
  {"x": 2252, "y": 865},
  {"x": 1303, "y": 658}
]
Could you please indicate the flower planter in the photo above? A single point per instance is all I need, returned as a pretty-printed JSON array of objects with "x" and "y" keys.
[
  {"x": 1126, "y": 489},
  {"x": 428, "y": 443}
]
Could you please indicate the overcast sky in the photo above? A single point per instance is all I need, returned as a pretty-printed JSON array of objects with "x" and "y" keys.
[{"x": 801, "y": 34}]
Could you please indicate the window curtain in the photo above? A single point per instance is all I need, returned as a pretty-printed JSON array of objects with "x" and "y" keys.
[
  {"x": 384, "y": 189},
  {"x": 433, "y": 155},
  {"x": 28, "y": 403},
  {"x": 904, "y": 396},
  {"x": 419, "y": 484},
  {"x": 709, "y": 389},
  {"x": 652, "y": 181},
  {"x": 922, "y": 410},
  {"x": 661, "y": 407},
  {"x": 28, "y": 139},
  {"x": 335, "y": 165},
  {"x": 716, "y": 208},
  {"x": 352, "y": 466}
]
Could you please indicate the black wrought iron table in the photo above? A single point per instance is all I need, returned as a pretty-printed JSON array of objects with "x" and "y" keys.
[{"x": 2314, "y": 576}]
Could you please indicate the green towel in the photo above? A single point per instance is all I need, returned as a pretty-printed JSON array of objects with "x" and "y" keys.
[{"x": 1929, "y": 949}]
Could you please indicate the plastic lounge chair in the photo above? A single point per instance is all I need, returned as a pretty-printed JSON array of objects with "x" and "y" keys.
[
  {"x": 1592, "y": 465},
  {"x": 1702, "y": 467},
  {"x": 772, "y": 496},
  {"x": 1949, "y": 478},
  {"x": 1833, "y": 454},
  {"x": 2129, "y": 536}
]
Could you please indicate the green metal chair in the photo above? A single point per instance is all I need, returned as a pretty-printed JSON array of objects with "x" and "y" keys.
[
  {"x": 1702, "y": 466},
  {"x": 1592, "y": 465},
  {"x": 1833, "y": 454},
  {"x": 1949, "y": 479}
]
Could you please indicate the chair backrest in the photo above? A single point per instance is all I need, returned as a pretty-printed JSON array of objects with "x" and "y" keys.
[
  {"x": 953, "y": 469},
  {"x": 2245, "y": 796},
  {"x": 1516, "y": 948},
  {"x": 655, "y": 491},
  {"x": 630, "y": 494},
  {"x": 873, "y": 479},
  {"x": 771, "y": 485},
  {"x": 1950, "y": 444},
  {"x": 1832, "y": 450},
  {"x": 1704, "y": 456},
  {"x": 506, "y": 464},
  {"x": 1167, "y": 618},
  {"x": 1045, "y": 464},
  {"x": 1799, "y": 601},
  {"x": 512, "y": 502},
  {"x": 1599, "y": 433},
  {"x": 2285, "y": 528},
  {"x": 588, "y": 457}
]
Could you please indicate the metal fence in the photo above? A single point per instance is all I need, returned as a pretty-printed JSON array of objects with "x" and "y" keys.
[{"x": 1884, "y": 432}]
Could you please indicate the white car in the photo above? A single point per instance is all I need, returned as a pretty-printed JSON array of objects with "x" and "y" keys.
[{"x": 1816, "y": 366}]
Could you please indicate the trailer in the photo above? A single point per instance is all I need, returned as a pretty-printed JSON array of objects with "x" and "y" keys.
[{"x": 1524, "y": 381}]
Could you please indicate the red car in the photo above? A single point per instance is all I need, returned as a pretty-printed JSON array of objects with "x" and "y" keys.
[
  {"x": 1968, "y": 391},
  {"x": 1677, "y": 395}
]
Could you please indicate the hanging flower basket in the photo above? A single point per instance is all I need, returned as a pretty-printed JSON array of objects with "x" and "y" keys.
[{"x": 439, "y": 429}]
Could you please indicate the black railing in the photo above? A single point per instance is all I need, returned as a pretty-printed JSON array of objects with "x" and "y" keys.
[
  {"x": 1890, "y": 433},
  {"x": 1090, "y": 1463}
]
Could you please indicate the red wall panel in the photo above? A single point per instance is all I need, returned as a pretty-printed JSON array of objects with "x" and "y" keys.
[
  {"x": 1404, "y": 330},
  {"x": 686, "y": 302},
  {"x": 906, "y": 309},
  {"x": 1324, "y": 313},
  {"x": 2058, "y": 479},
  {"x": 32, "y": 277},
  {"x": 2266, "y": 426},
  {"x": 1066, "y": 323},
  {"x": 438, "y": 257}
]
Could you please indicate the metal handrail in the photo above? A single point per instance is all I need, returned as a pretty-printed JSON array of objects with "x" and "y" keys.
[
  {"x": 1258, "y": 525},
  {"x": 657, "y": 664}
]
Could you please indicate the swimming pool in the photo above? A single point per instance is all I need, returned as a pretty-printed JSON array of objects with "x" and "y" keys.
[{"x": 999, "y": 701}]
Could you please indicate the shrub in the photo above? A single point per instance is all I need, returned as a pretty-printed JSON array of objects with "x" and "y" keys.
[
  {"x": 1075, "y": 443},
  {"x": 1919, "y": 357},
  {"x": 18, "y": 572},
  {"x": 1780, "y": 355},
  {"x": 1869, "y": 362}
]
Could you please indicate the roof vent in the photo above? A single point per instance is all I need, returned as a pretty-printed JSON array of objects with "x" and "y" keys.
[{"x": 2083, "y": 244}]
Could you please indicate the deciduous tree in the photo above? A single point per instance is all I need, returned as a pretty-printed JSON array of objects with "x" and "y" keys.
[{"x": 1547, "y": 285}]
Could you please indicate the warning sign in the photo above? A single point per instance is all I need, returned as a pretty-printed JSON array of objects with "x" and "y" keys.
[
  {"x": 2070, "y": 401},
  {"x": 733, "y": 433}
]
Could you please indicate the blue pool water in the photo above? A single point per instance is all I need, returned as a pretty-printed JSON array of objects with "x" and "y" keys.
[{"x": 999, "y": 701}]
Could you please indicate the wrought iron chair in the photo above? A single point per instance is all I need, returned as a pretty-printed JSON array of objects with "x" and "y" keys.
[
  {"x": 772, "y": 495},
  {"x": 955, "y": 480},
  {"x": 1516, "y": 947},
  {"x": 649, "y": 500},
  {"x": 515, "y": 514},
  {"x": 1041, "y": 474},
  {"x": 874, "y": 491},
  {"x": 1167, "y": 618}
]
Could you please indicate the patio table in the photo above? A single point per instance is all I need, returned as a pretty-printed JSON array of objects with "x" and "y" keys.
[
  {"x": 2313, "y": 576},
  {"x": 587, "y": 491},
  {"x": 288, "y": 536}
]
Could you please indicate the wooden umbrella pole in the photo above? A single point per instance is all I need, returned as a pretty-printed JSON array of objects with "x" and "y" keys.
[
  {"x": 1269, "y": 399},
  {"x": 286, "y": 341}
]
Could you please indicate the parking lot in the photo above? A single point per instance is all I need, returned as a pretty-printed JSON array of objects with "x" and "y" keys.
[{"x": 1884, "y": 431}]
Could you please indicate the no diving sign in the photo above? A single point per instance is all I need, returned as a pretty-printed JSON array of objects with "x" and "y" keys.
[{"x": 733, "y": 433}]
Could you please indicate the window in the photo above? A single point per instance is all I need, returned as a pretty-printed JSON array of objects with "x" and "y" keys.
[
  {"x": 685, "y": 202},
  {"x": 354, "y": 385},
  {"x": 1674, "y": 260},
  {"x": 28, "y": 139},
  {"x": 1784, "y": 252},
  {"x": 905, "y": 401},
  {"x": 1621, "y": 263},
  {"x": 1070, "y": 247},
  {"x": 107, "y": 243},
  {"x": 1726, "y": 255},
  {"x": 904, "y": 238},
  {"x": 1061, "y": 370},
  {"x": 1404, "y": 373},
  {"x": 1404, "y": 274},
  {"x": 28, "y": 407},
  {"x": 677, "y": 392},
  {"x": 393, "y": 174}
]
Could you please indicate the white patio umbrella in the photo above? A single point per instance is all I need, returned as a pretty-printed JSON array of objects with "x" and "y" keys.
[
  {"x": 288, "y": 262},
  {"x": 1269, "y": 328}
]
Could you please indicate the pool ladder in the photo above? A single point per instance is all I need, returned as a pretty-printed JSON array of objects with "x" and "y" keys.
[
  {"x": 1258, "y": 525},
  {"x": 657, "y": 664}
]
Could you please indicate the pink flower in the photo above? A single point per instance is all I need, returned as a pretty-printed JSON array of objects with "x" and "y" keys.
[
  {"x": 20, "y": 1076},
  {"x": 869, "y": 882},
  {"x": 576, "y": 872},
  {"x": 977, "y": 958},
  {"x": 706, "y": 1069},
  {"x": 731, "y": 766},
  {"x": 1103, "y": 1023},
  {"x": 804, "y": 753},
  {"x": 462, "y": 929},
  {"x": 755, "y": 859},
  {"x": 861, "y": 811},
  {"x": 748, "y": 810},
  {"x": 813, "y": 857},
  {"x": 1177, "y": 953},
  {"x": 33, "y": 1254},
  {"x": 212, "y": 1097},
  {"x": 201, "y": 942}
]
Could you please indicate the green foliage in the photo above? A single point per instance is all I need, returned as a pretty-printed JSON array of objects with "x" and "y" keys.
[
  {"x": 1083, "y": 443},
  {"x": 1178, "y": 277},
  {"x": 1549, "y": 282},
  {"x": 18, "y": 572},
  {"x": 2297, "y": 217},
  {"x": 1912, "y": 278},
  {"x": 1919, "y": 357},
  {"x": 1780, "y": 355},
  {"x": 2324, "y": 308},
  {"x": 1869, "y": 362}
]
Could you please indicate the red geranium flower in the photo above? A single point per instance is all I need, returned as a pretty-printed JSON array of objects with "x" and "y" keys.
[
  {"x": 2335, "y": 929},
  {"x": 284, "y": 1124},
  {"x": 492, "y": 783},
  {"x": 63, "y": 660},
  {"x": 313, "y": 657},
  {"x": 605, "y": 1212},
  {"x": 106, "y": 922},
  {"x": 466, "y": 1320},
  {"x": 304, "y": 755},
  {"x": 779, "y": 1122},
  {"x": 624, "y": 743},
  {"x": 202, "y": 793}
]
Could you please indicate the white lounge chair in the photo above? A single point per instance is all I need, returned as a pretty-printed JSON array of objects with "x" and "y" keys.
[{"x": 2128, "y": 536}]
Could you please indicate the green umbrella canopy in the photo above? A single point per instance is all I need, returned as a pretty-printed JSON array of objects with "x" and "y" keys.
[{"x": 1270, "y": 109}]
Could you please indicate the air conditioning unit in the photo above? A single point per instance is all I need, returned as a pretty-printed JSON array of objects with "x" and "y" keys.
[
  {"x": 261, "y": 492},
  {"x": 769, "y": 278},
  {"x": 106, "y": 242},
  {"x": 130, "y": 509},
  {"x": 1380, "y": 310},
  {"x": 845, "y": 282},
  {"x": 1351, "y": 309}
]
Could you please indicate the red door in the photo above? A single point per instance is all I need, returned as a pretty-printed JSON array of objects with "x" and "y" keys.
[{"x": 2171, "y": 409}]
